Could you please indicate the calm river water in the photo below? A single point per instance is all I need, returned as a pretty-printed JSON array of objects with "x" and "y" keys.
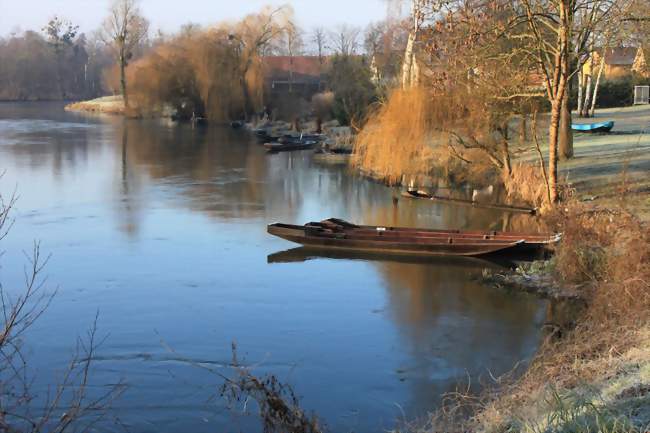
[{"x": 163, "y": 230}]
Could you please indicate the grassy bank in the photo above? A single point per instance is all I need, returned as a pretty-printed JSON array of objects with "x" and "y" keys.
[
  {"x": 593, "y": 376},
  {"x": 104, "y": 105}
]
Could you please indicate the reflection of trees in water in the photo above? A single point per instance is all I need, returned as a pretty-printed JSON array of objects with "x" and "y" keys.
[
  {"x": 45, "y": 143},
  {"x": 129, "y": 189},
  {"x": 455, "y": 326},
  {"x": 213, "y": 169}
]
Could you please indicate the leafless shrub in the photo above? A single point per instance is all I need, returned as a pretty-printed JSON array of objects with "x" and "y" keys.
[
  {"x": 279, "y": 407},
  {"x": 68, "y": 406}
]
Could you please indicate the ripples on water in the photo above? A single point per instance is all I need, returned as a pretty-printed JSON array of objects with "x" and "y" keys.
[{"x": 162, "y": 228}]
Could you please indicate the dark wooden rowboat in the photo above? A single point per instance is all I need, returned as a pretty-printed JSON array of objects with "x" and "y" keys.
[
  {"x": 425, "y": 196},
  {"x": 338, "y": 234},
  {"x": 290, "y": 146}
]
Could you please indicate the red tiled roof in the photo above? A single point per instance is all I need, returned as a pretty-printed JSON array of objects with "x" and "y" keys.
[{"x": 301, "y": 65}]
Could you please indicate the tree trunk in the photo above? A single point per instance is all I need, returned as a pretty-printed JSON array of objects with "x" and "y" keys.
[
  {"x": 125, "y": 95},
  {"x": 407, "y": 65},
  {"x": 565, "y": 142},
  {"x": 593, "y": 98},
  {"x": 523, "y": 129},
  {"x": 581, "y": 80},
  {"x": 553, "y": 133},
  {"x": 585, "y": 105}
]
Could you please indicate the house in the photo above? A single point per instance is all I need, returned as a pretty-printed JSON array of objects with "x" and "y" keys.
[
  {"x": 303, "y": 75},
  {"x": 619, "y": 62}
]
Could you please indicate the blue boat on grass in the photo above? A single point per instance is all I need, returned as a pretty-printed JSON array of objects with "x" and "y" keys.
[{"x": 593, "y": 127}]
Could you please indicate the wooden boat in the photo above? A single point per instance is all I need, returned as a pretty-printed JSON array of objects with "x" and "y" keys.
[
  {"x": 593, "y": 127},
  {"x": 425, "y": 196},
  {"x": 290, "y": 146},
  {"x": 338, "y": 234}
]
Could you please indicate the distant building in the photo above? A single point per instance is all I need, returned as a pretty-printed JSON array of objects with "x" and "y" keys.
[
  {"x": 303, "y": 75},
  {"x": 619, "y": 62}
]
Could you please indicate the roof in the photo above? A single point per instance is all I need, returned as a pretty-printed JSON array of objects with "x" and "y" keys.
[
  {"x": 622, "y": 56},
  {"x": 280, "y": 66}
]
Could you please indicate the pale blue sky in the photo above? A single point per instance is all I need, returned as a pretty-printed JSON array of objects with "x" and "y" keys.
[{"x": 169, "y": 15}]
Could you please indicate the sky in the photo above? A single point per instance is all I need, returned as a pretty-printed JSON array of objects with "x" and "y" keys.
[{"x": 169, "y": 15}]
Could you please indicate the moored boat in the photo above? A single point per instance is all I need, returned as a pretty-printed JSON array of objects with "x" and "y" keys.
[
  {"x": 290, "y": 145},
  {"x": 593, "y": 127},
  {"x": 505, "y": 207},
  {"x": 338, "y": 234}
]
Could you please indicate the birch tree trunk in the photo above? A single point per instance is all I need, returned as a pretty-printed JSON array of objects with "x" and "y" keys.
[
  {"x": 593, "y": 98},
  {"x": 409, "y": 66},
  {"x": 585, "y": 104},
  {"x": 580, "y": 89}
]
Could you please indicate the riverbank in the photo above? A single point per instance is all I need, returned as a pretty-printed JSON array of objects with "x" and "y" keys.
[
  {"x": 593, "y": 376},
  {"x": 104, "y": 105}
]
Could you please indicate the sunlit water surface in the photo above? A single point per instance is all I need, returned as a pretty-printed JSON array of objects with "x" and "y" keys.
[{"x": 162, "y": 229}]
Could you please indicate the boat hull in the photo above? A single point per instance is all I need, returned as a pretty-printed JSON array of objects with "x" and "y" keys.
[
  {"x": 403, "y": 241},
  {"x": 593, "y": 127}
]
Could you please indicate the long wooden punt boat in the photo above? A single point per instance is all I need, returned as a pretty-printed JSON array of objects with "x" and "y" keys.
[
  {"x": 338, "y": 234},
  {"x": 425, "y": 196}
]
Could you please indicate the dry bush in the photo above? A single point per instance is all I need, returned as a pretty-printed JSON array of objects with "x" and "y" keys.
[
  {"x": 278, "y": 406},
  {"x": 72, "y": 404}
]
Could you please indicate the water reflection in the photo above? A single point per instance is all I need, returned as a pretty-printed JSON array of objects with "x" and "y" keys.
[{"x": 164, "y": 228}]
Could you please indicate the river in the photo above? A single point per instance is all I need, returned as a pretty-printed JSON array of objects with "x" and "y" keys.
[{"x": 162, "y": 230}]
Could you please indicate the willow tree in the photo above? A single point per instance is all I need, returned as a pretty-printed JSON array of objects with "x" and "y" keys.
[
  {"x": 252, "y": 37},
  {"x": 123, "y": 30}
]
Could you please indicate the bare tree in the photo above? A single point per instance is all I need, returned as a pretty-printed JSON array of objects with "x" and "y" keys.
[
  {"x": 124, "y": 29},
  {"x": 294, "y": 46},
  {"x": 409, "y": 65},
  {"x": 552, "y": 27},
  {"x": 319, "y": 38},
  {"x": 61, "y": 34},
  {"x": 253, "y": 36},
  {"x": 345, "y": 40},
  {"x": 70, "y": 405}
]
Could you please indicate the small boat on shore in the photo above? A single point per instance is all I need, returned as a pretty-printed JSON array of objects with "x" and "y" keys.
[
  {"x": 425, "y": 196},
  {"x": 290, "y": 145},
  {"x": 593, "y": 127},
  {"x": 338, "y": 234}
]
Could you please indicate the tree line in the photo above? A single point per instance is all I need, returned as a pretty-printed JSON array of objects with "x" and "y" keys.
[{"x": 59, "y": 62}]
